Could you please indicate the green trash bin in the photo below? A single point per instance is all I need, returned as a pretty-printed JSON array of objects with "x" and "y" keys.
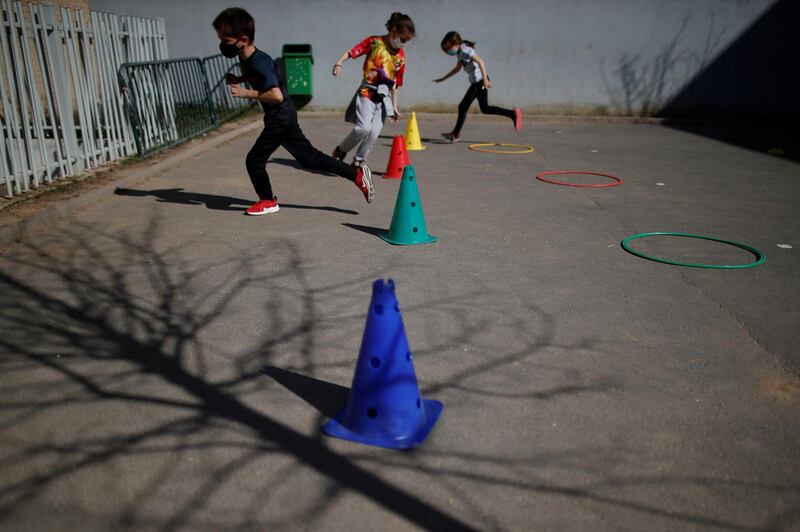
[{"x": 297, "y": 61}]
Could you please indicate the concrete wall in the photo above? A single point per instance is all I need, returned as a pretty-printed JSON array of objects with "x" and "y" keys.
[{"x": 558, "y": 56}]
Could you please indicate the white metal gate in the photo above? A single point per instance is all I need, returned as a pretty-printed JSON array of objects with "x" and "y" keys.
[
  {"x": 61, "y": 110},
  {"x": 174, "y": 100}
]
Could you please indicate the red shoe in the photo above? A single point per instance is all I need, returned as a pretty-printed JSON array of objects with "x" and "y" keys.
[
  {"x": 263, "y": 207},
  {"x": 364, "y": 182},
  {"x": 517, "y": 118}
]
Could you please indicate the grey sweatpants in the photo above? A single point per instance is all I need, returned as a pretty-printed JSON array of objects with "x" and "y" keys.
[{"x": 370, "y": 117}]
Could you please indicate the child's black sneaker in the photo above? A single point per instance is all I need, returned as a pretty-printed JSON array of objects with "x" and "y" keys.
[
  {"x": 364, "y": 182},
  {"x": 449, "y": 137},
  {"x": 338, "y": 154}
]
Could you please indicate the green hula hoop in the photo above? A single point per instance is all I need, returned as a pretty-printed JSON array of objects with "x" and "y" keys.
[{"x": 760, "y": 258}]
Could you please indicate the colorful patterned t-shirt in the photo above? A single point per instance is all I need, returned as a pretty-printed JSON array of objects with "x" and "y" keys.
[{"x": 381, "y": 66}]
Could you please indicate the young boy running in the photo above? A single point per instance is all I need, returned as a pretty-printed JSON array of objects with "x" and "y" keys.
[{"x": 236, "y": 31}]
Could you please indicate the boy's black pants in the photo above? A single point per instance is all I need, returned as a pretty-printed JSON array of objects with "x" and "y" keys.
[
  {"x": 281, "y": 129},
  {"x": 476, "y": 90}
]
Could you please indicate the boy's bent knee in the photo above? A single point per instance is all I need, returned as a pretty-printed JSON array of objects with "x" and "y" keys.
[{"x": 252, "y": 160}]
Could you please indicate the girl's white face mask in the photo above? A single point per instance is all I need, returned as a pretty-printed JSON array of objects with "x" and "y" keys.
[{"x": 396, "y": 43}]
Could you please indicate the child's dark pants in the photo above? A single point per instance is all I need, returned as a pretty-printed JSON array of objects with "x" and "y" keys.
[
  {"x": 476, "y": 90},
  {"x": 281, "y": 129}
]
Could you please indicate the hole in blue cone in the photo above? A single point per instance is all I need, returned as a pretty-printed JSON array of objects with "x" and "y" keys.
[
  {"x": 396, "y": 307},
  {"x": 375, "y": 362},
  {"x": 378, "y": 309},
  {"x": 372, "y": 413},
  {"x": 416, "y": 230},
  {"x": 411, "y": 178},
  {"x": 408, "y": 356},
  {"x": 419, "y": 403},
  {"x": 413, "y": 203}
]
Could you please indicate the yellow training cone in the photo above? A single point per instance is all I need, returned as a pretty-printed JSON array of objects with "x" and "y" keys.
[{"x": 413, "y": 142}]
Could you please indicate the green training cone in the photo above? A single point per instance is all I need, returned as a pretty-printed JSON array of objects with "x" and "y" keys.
[{"x": 408, "y": 221}]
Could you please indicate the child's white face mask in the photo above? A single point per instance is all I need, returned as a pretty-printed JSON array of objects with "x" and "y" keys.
[{"x": 396, "y": 43}]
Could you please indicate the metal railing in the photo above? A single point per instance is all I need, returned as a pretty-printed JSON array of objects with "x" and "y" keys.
[
  {"x": 167, "y": 101},
  {"x": 225, "y": 106},
  {"x": 172, "y": 101},
  {"x": 61, "y": 110}
]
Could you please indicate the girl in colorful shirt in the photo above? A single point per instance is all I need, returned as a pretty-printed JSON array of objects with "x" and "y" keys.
[
  {"x": 376, "y": 97},
  {"x": 452, "y": 44}
]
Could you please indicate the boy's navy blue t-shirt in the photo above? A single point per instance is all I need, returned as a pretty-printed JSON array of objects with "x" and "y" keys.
[{"x": 260, "y": 72}]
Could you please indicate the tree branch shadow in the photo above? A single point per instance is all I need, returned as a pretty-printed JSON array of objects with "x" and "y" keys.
[
  {"x": 119, "y": 345},
  {"x": 644, "y": 87}
]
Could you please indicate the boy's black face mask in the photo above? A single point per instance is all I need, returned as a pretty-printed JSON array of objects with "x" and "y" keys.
[{"x": 229, "y": 50}]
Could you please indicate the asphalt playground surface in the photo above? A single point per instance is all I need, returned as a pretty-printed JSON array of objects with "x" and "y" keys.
[{"x": 167, "y": 362}]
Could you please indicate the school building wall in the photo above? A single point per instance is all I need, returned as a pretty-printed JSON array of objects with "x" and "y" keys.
[{"x": 691, "y": 57}]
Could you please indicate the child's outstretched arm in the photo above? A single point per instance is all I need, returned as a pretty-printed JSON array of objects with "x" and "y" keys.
[
  {"x": 337, "y": 66},
  {"x": 356, "y": 51},
  {"x": 449, "y": 74},
  {"x": 486, "y": 83}
]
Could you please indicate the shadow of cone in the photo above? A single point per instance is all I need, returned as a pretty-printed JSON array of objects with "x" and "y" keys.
[
  {"x": 408, "y": 221},
  {"x": 384, "y": 407},
  {"x": 413, "y": 140},
  {"x": 397, "y": 160}
]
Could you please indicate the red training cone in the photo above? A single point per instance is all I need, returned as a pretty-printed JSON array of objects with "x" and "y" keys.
[{"x": 398, "y": 159}]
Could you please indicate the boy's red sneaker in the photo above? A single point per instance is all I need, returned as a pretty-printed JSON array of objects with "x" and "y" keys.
[
  {"x": 517, "y": 118},
  {"x": 263, "y": 207},
  {"x": 364, "y": 182}
]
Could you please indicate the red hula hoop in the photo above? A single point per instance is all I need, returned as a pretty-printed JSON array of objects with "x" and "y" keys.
[{"x": 616, "y": 181}]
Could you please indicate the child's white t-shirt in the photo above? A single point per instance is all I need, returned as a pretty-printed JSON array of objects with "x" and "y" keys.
[{"x": 465, "y": 54}]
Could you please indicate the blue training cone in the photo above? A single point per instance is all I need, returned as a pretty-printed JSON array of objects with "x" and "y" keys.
[{"x": 385, "y": 407}]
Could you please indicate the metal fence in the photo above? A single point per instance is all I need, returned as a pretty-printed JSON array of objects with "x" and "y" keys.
[
  {"x": 61, "y": 110},
  {"x": 225, "y": 106},
  {"x": 175, "y": 100}
]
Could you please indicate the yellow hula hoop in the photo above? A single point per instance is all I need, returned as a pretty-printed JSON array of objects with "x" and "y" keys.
[{"x": 482, "y": 148}]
